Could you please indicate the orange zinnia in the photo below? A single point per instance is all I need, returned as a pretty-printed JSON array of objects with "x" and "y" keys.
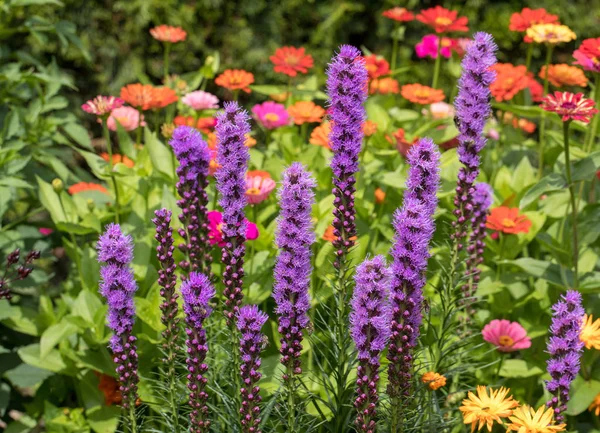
[
  {"x": 291, "y": 60},
  {"x": 306, "y": 112},
  {"x": 138, "y": 95},
  {"x": 443, "y": 20},
  {"x": 564, "y": 75},
  {"x": 117, "y": 158},
  {"x": 163, "y": 96},
  {"x": 379, "y": 196},
  {"x": 419, "y": 94},
  {"x": 383, "y": 86},
  {"x": 170, "y": 34},
  {"x": 329, "y": 235},
  {"x": 376, "y": 66},
  {"x": 320, "y": 135},
  {"x": 509, "y": 81},
  {"x": 369, "y": 128},
  {"x": 508, "y": 220},
  {"x": 86, "y": 186},
  {"x": 399, "y": 14},
  {"x": 235, "y": 79}
]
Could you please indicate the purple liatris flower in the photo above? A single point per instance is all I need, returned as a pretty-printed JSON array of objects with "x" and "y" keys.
[
  {"x": 472, "y": 110},
  {"x": 250, "y": 321},
  {"x": 197, "y": 291},
  {"x": 194, "y": 158},
  {"x": 118, "y": 287},
  {"x": 565, "y": 349},
  {"x": 293, "y": 268},
  {"x": 414, "y": 227},
  {"x": 347, "y": 90},
  {"x": 232, "y": 127},
  {"x": 370, "y": 330}
]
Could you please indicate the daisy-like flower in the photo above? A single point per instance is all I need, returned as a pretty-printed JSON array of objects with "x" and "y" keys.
[
  {"x": 163, "y": 96},
  {"x": 484, "y": 409},
  {"x": 433, "y": 380},
  {"x": 521, "y": 21},
  {"x": 506, "y": 336},
  {"x": 258, "y": 186},
  {"x": 235, "y": 79},
  {"x": 369, "y": 128},
  {"x": 127, "y": 117},
  {"x": 428, "y": 47},
  {"x": 594, "y": 407},
  {"x": 376, "y": 66},
  {"x": 588, "y": 55},
  {"x": 215, "y": 230},
  {"x": 422, "y": 95},
  {"x": 526, "y": 419},
  {"x": 165, "y": 33},
  {"x": 564, "y": 75},
  {"x": 439, "y": 110},
  {"x": 509, "y": 81},
  {"x": 86, "y": 186},
  {"x": 590, "y": 332},
  {"x": 550, "y": 33},
  {"x": 320, "y": 135},
  {"x": 148, "y": 97},
  {"x": 508, "y": 220},
  {"x": 570, "y": 106},
  {"x": 399, "y": 14},
  {"x": 291, "y": 61},
  {"x": 384, "y": 86},
  {"x": 117, "y": 158},
  {"x": 443, "y": 20},
  {"x": 271, "y": 114},
  {"x": 306, "y": 112},
  {"x": 102, "y": 106},
  {"x": 201, "y": 100}
]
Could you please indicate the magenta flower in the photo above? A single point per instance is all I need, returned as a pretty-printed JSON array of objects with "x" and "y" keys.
[
  {"x": 102, "y": 105},
  {"x": 201, "y": 100},
  {"x": 507, "y": 336},
  {"x": 428, "y": 47},
  {"x": 271, "y": 115},
  {"x": 45, "y": 231},
  {"x": 128, "y": 118},
  {"x": 258, "y": 186},
  {"x": 215, "y": 233}
]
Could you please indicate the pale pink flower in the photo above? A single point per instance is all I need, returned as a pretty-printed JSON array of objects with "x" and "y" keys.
[
  {"x": 102, "y": 105},
  {"x": 258, "y": 186},
  {"x": 507, "y": 336},
  {"x": 128, "y": 117},
  {"x": 439, "y": 110},
  {"x": 201, "y": 100}
]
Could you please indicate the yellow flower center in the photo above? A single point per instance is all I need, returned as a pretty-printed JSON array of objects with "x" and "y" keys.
[
  {"x": 506, "y": 341},
  {"x": 292, "y": 60},
  {"x": 271, "y": 117},
  {"x": 422, "y": 93},
  {"x": 443, "y": 21},
  {"x": 507, "y": 222},
  {"x": 253, "y": 191},
  {"x": 220, "y": 228}
]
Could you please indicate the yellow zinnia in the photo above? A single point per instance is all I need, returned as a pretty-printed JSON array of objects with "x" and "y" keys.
[
  {"x": 595, "y": 406},
  {"x": 485, "y": 409},
  {"x": 590, "y": 332},
  {"x": 551, "y": 33},
  {"x": 526, "y": 420}
]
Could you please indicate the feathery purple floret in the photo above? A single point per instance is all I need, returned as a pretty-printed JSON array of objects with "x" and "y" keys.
[
  {"x": 197, "y": 291},
  {"x": 293, "y": 268},
  {"x": 250, "y": 321},
  {"x": 370, "y": 330},
  {"x": 565, "y": 349},
  {"x": 118, "y": 287},
  {"x": 194, "y": 158},
  {"x": 414, "y": 227},
  {"x": 472, "y": 110},
  {"x": 233, "y": 155}
]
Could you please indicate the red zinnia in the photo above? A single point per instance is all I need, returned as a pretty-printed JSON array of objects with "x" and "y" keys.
[
  {"x": 507, "y": 220},
  {"x": 521, "y": 21},
  {"x": 376, "y": 66},
  {"x": 399, "y": 14},
  {"x": 570, "y": 106},
  {"x": 509, "y": 81},
  {"x": 291, "y": 60},
  {"x": 235, "y": 79},
  {"x": 170, "y": 34},
  {"x": 443, "y": 20}
]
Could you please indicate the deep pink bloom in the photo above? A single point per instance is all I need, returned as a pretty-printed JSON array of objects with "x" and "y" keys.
[
  {"x": 429, "y": 47},
  {"x": 201, "y": 100},
  {"x": 45, "y": 231},
  {"x": 128, "y": 117},
  {"x": 215, "y": 234},
  {"x": 102, "y": 105},
  {"x": 507, "y": 336},
  {"x": 271, "y": 115}
]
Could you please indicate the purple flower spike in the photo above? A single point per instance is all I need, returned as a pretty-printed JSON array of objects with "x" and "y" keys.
[
  {"x": 118, "y": 287},
  {"x": 370, "y": 330},
  {"x": 197, "y": 291},
  {"x": 565, "y": 349},
  {"x": 194, "y": 158},
  {"x": 232, "y": 127},
  {"x": 472, "y": 110},
  {"x": 250, "y": 321},
  {"x": 293, "y": 268},
  {"x": 347, "y": 90}
]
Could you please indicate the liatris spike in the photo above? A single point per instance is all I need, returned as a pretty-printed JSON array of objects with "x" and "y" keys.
[
  {"x": 370, "y": 330},
  {"x": 293, "y": 268},
  {"x": 472, "y": 109},
  {"x": 232, "y": 127},
  {"x": 414, "y": 227},
  {"x": 565, "y": 349},
  {"x": 197, "y": 291},
  {"x": 250, "y": 321},
  {"x": 20, "y": 273},
  {"x": 194, "y": 158},
  {"x": 118, "y": 287}
]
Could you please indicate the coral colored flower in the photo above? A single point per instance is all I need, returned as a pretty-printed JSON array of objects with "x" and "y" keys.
[
  {"x": 306, "y": 112},
  {"x": 116, "y": 158},
  {"x": 148, "y": 97},
  {"x": 517, "y": 123},
  {"x": 250, "y": 141},
  {"x": 564, "y": 75},
  {"x": 509, "y": 81},
  {"x": 163, "y": 96},
  {"x": 330, "y": 236},
  {"x": 402, "y": 144},
  {"x": 86, "y": 186},
  {"x": 570, "y": 106},
  {"x": 376, "y": 66},
  {"x": 127, "y": 117},
  {"x": 203, "y": 124},
  {"x": 484, "y": 409},
  {"x": 433, "y": 380},
  {"x": 595, "y": 405},
  {"x": 428, "y": 47},
  {"x": 521, "y": 21},
  {"x": 201, "y": 100},
  {"x": 526, "y": 419},
  {"x": 291, "y": 61},
  {"x": 320, "y": 135},
  {"x": 399, "y": 14},
  {"x": 588, "y": 55},
  {"x": 443, "y": 20},
  {"x": 258, "y": 186},
  {"x": 213, "y": 165},
  {"x": 550, "y": 33},
  {"x": 507, "y": 336},
  {"x": 590, "y": 332},
  {"x": 508, "y": 220},
  {"x": 536, "y": 90},
  {"x": 102, "y": 105},
  {"x": 423, "y": 95},
  {"x": 439, "y": 110},
  {"x": 109, "y": 387},
  {"x": 271, "y": 114},
  {"x": 215, "y": 233},
  {"x": 379, "y": 196},
  {"x": 383, "y": 86},
  {"x": 369, "y": 128},
  {"x": 170, "y": 34},
  {"x": 235, "y": 79}
]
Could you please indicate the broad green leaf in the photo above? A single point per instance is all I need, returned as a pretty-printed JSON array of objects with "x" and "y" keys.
[
  {"x": 50, "y": 200},
  {"x": 53, "y": 335},
  {"x": 103, "y": 419},
  {"x": 586, "y": 168},
  {"x": 27, "y": 376},
  {"x": 552, "y": 182},
  {"x": 582, "y": 394},
  {"x": 79, "y": 134},
  {"x": 125, "y": 142},
  {"x": 14, "y": 182},
  {"x": 161, "y": 156},
  {"x": 76, "y": 229},
  {"x": 378, "y": 114},
  {"x": 403, "y": 115},
  {"x": 268, "y": 89},
  {"x": 97, "y": 164},
  {"x": 52, "y": 361},
  {"x": 519, "y": 368},
  {"x": 550, "y": 272},
  {"x": 4, "y": 397}
]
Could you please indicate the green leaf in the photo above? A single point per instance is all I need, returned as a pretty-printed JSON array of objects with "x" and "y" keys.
[
  {"x": 27, "y": 376},
  {"x": 125, "y": 142},
  {"x": 4, "y": 397},
  {"x": 53, "y": 335},
  {"x": 586, "y": 168},
  {"x": 97, "y": 164},
  {"x": 552, "y": 182},
  {"x": 14, "y": 182},
  {"x": 31, "y": 355},
  {"x": 103, "y": 419},
  {"x": 519, "y": 368},
  {"x": 378, "y": 114},
  {"x": 50, "y": 200},
  {"x": 550, "y": 272},
  {"x": 86, "y": 305},
  {"x": 149, "y": 309},
  {"x": 268, "y": 89},
  {"x": 75, "y": 229},
  {"x": 403, "y": 115},
  {"x": 161, "y": 156},
  {"x": 79, "y": 134},
  {"x": 582, "y": 394}
]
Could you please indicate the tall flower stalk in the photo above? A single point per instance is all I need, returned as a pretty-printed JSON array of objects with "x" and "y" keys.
[
  {"x": 118, "y": 287},
  {"x": 293, "y": 268}
]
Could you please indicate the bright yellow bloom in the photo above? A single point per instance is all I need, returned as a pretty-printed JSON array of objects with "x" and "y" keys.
[
  {"x": 526, "y": 420},
  {"x": 590, "y": 332},
  {"x": 551, "y": 33},
  {"x": 432, "y": 379},
  {"x": 595, "y": 406},
  {"x": 485, "y": 409}
]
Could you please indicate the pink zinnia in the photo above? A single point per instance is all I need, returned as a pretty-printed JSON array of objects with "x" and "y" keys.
[
  {"x": 215, "y": 234},
  {"x": 45, "y": 231},
  {"x": 507, "y": 336},
  {"x": 258, "y": 186},
  {"x": 429, "y": 47},
  {"x": 271, "y": 115},
  {"x": 201, "y": 100},
  {"x": 102, "y": 105},
  {"x": 128, "y": 117}
]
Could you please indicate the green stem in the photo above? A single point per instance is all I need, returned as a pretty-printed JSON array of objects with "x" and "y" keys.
[
  {"x": 291, "y": 427},
  {"x": 438, "y": 62},
  {"x": 590, "y": 142},
  {"x": 543, "y": 123},
  {"x": 132, "y": 419},
  {"x": 500, "y": 255},
  {"x": 172, "y": 377},
  {"x": 573, "y": 202},
  {"x": 77, "y": 260},
  {"x": 18, "y": 221},
  {"x": 111, "y": 166},
  {"x": 529, "y": 54},
  {"x": 394, "y": 46},
  {"x": 138, "y": 133},
  {"x": 166, "y": 61}
]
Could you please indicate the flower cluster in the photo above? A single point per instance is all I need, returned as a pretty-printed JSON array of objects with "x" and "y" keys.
[{"x": 21, "y": 272}]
